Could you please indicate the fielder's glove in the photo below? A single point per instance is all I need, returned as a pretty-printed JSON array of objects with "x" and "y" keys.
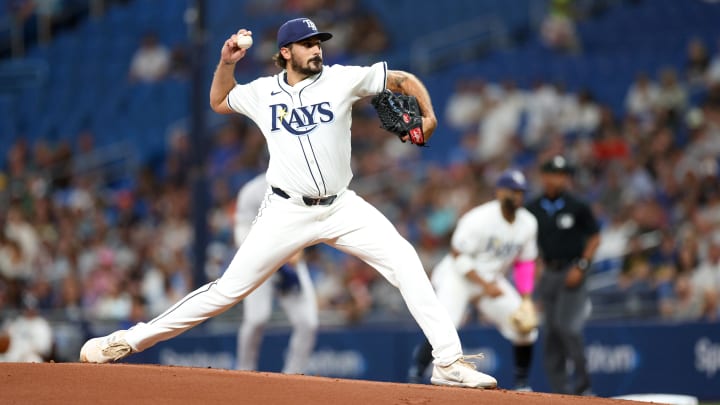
[
  {"x": 400, "y": 114},
  {"x": 287, "y": 280},
  {"x": 525, "y": 318}
]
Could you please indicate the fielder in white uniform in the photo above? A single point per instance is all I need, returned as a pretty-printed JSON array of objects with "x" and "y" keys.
[
  {"x": 304, "y": 112},
  {"x": 489, "y": 240},
  {"x": 291, "y": 285}
]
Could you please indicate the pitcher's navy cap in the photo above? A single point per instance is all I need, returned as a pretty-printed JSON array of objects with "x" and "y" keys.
[
  {"x": 297, "y": 30},
  {"x": 513, "y": 180}
]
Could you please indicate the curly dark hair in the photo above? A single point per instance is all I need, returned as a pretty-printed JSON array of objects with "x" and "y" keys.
[{"x": 279, "y": 60}]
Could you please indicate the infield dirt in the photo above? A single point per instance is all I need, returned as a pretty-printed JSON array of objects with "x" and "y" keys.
[{"x": 77, "y": 383}]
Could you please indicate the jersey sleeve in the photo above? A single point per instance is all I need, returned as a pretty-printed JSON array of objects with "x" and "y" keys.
[
  {"x": 243, "y": 98},
  {"x": 529, "y": 250},
  {"x": 366, "y": 80}
]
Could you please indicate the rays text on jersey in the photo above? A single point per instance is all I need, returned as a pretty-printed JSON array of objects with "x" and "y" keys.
[{"x": 300, "y": 120}]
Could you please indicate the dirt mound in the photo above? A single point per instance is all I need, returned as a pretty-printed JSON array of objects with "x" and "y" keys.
[{"x": 123, "y": 383}]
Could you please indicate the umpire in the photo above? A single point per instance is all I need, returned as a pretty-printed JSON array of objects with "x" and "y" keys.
[{"x": 567, "y": 239}]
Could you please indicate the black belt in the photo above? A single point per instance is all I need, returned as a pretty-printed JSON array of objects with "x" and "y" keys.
[
  {"x": 307, "y": 200},
  {"x": 558, "y": 264}
]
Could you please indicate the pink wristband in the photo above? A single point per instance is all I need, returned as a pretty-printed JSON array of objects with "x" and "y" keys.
[{"x": 525, "y": 276}]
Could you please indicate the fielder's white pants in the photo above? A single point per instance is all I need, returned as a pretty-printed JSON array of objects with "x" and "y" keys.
[
  {"x": 281, "y": 229},
  {"x": 455, "y": 292},
  {"x": 301, "y": 309}
]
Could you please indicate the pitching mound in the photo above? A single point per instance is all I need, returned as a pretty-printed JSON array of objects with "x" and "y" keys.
[{"x": 123, "y": 383}]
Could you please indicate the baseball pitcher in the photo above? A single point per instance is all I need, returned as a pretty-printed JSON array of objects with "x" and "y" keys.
[
  {"x": 488, "y": 241},
  {"x": 304, "y": 113}
]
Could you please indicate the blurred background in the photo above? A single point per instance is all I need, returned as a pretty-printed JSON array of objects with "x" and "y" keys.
[{"x": 118, "y": 184}]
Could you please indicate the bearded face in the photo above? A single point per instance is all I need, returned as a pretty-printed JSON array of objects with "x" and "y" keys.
[
  {"x": 306, "y": 67},
  {"x": 510, "y": 200},
  {"x": 306, "y": 56}
]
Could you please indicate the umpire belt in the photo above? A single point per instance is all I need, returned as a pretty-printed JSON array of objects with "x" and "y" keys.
[
  {"x": 309, "y": 201},
  {"x": 558, "y": 264}
]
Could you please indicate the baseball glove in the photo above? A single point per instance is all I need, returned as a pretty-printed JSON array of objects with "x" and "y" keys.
[
  {"x": 525, "y": 318},
  {"x": 400, "y": 114}
]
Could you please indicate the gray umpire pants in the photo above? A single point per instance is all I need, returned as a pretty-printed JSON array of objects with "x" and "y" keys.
[{"x": 566, "y": 310}]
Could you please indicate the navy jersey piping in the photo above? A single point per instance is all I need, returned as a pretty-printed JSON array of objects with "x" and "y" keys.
[
  {"x": 308, "y": 163},
  {"x": 317, "y": 164},
  {"x": 277, "y": 77}
]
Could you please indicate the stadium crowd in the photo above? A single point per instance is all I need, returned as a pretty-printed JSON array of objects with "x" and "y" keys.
[{"x": 84, "y": 247}]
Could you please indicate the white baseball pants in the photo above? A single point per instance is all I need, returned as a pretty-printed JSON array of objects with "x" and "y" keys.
[
  {"x": 455, "y": 292},
  {"x": 301, "y": 309},
  {"x": 282, "y": 228}
]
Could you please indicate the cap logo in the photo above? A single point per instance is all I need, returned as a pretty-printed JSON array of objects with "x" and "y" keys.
[
  {"x": 518, "y": 177},
  {"x": 310, "y": 24}
]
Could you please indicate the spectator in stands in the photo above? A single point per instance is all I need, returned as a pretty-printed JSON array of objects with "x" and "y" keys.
[
  {"x": 15, "y": 270},
  {"x": 703, "y": 148},
  {"x": 542, "y": 109},
  {"x": 707, "y": 279},
  {"x": 615, "y": 238},
  {"x": 151, "y": 61},
  {"x": 47, "y": 11},
  {"x": 588, "y": 115},
  {"x": 687, "y": 302},
  {"x": 666, "y": 253},
  {"x": 610, "y": 145},
  {"x": 641, "y": 99},
  {"x": 696, "y": 63},
  {"x": 500, "y": 124},
  {"x": 691, "y": 299},
  {"x": 636, "y": 276},
  {"x": 19, "y": 229},
  {"x": 558, "y": 27},
  {"x": 179, "y": 63},
  {"x": 672, "y": 96},
  {"x": 713, "y": 71},
  {"x": 178, "y": 159},
  {"x": 464, "y": 108}
]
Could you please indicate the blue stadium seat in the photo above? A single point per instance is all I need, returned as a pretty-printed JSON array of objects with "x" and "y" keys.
[{"x": 88, "y": 67}]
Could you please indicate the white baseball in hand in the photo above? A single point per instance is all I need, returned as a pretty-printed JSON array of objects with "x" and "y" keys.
[{"x": 244, "y": 41}]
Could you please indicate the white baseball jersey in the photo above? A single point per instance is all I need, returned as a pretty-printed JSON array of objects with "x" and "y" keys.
[
  {"x": 307, "y": 128},
  {"x": 494, "y": 243},
  {"x": 307, "y": 131}
]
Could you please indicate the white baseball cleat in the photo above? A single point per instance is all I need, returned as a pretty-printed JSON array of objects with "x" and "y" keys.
[
  {"x": 462, "y": 374},
  {"x": 112, "y": 347}
]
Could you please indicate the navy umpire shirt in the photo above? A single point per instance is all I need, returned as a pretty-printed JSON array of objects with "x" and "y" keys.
[{"x": 564, "y": 226}]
